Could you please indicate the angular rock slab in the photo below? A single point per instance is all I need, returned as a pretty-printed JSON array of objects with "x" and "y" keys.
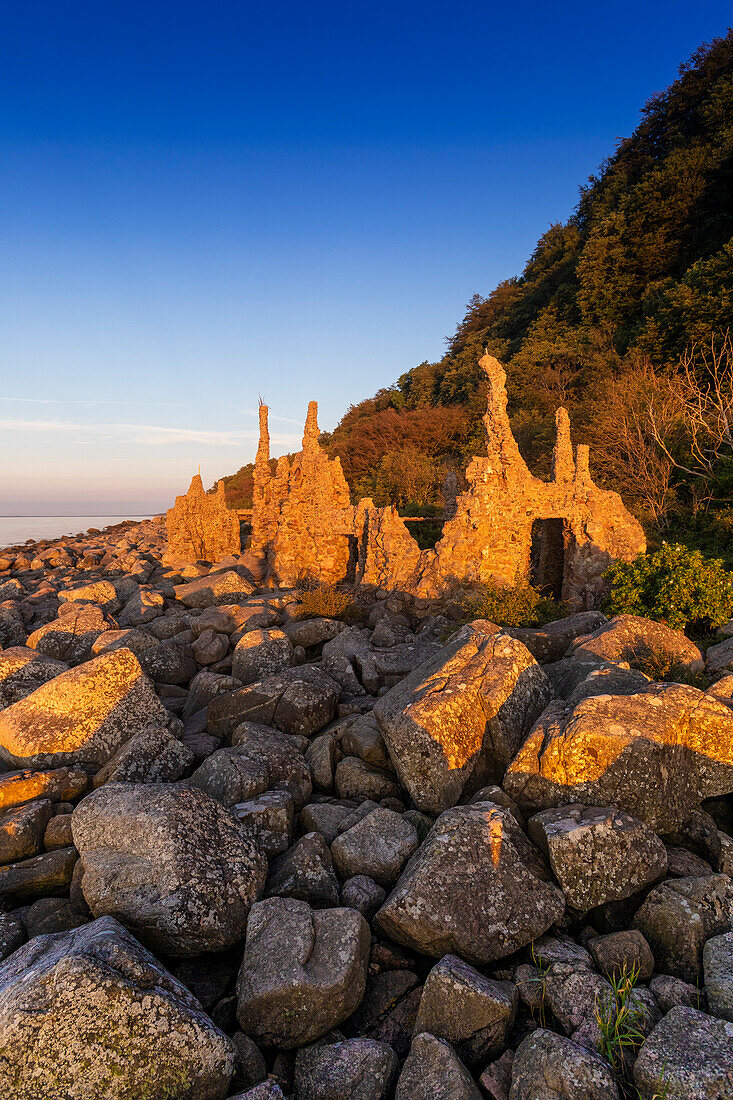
[
  {"x": 656, "y": 754},
  {"x": 549, "y": 1066},
  {"x": 81, "y": 717},
  {"x": 170, "y": 863},
  {"x": 433, "y": 1071},
  {"x": 477, "y": 697},
  {"x": 466, "y": 1009},
  {"x": 679, "y": 916},
  {"x": 304, "y": 971},
  {"x": 597, "y": 853},
  {"x": 632, "y": 638},
  {"x": 717, "y": 957},
  {"x": 361, "y": 1069},
  {"x": 92, "y": 1013},
  {"x": 690, "y": 1055},
  {"x": 22, "y": 670},
  {"x": 472, "y": 889}
]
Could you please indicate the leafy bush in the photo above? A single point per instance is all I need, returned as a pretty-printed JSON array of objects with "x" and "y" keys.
[
  {"x": 512, "y": 605},
  {"x": 674, "y": 585},
  {"x": 325, "y": 600}
]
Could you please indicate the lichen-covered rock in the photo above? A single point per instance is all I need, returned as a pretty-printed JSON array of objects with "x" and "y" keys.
[
  {"x": 305, "y": 872},
  {"x": 261, "y": 653},
  {"x": 303, "y": 972},
  {"x": 22, "y": 670},
  {"x": 378, "y": 845},
  {"x": 58, "y": 784},
  {"x": 298, "y": 700},
  {"x": 547, "y": 1066},
  {"x": 688, "y": 1056},
  {"x": 471, "y": 705},
  {"x": 213, "y": 589},
  {"x": 101, "y": 593},
  {"x": 470, "y": 1011},
  {"x": 632, "y": 638},
  {"x": 598, "y": 854},
  {"x": 170, "y": 863},
  {"x": 153, "y": 755},
  {"x": 70, "y": 637},
  {"x": 82, "y": 716},
  {"x": 91, "y": 1013},
  {"x": 433, "y": 1069},
  {"x": 22, "y": 829},
  {"x": 361, "y": 1069},
  {"x": 656, "y": 754},
  {"x": 473, "y": 889},
  {"x": 679, "y": 915},
  {"x": 717, "y": 959},
  {"x": 260, "y": 757}
]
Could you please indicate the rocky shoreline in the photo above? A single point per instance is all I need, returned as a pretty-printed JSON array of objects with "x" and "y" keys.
[{"x": 247, "y": 851}]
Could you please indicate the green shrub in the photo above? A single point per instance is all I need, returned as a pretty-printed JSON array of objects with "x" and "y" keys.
[
  {"x": 512, "y": 605},
  {"x": 674, "y": 585}
]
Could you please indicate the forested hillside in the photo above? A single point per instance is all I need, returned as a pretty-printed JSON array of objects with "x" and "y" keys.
[{"x": 620, "y": 315}]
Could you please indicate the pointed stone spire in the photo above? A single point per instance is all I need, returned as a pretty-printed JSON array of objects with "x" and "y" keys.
[
  {"x": 197, "y": 485},
  {"x": 500, "y": 442},
  {"x": 563, "y": 467},
  {"x": 263, "y": 448},
  {"x": 311, "y": 433}
]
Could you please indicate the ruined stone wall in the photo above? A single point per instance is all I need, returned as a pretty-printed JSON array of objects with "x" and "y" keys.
[
  {"x": 305, "y": 527},
  {"x": 200, "y": 527},
  {"x": 489, "y": 537},
  {"x": 302, "y": 517}
]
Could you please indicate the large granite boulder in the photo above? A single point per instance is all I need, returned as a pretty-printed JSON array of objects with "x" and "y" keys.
[
  {"x": 360, "y": 1069},
  {"x": 92, "y": 1013},
  {"x": 170, "y": 863},
  {"x": 641, "y": 642},
  {"x": 261, "y": 653},
  {"x": 82, "y": 716},
  {"x": 470, "y": 1011},
  {"x": 22, "y": 670},
  {"x": 656, "y": 754},
  {"x": 214, "y": 589},
  {"x": 433, "y": 1070},
  {"x": 548, "y": 1066},
  {"x": 474, "y": 888},
  {"x": 297, "y": 700},
  {"x": 70, "y": 637},
  {"x": 468, "y": 707},
  {"x": 598, "y": 854},
  {"x": 679, "y": 916},
  {"x": 688, "y": 1056},
  {"x": 304, "y": 971}
]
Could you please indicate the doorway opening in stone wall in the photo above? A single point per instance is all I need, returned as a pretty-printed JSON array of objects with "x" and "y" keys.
[{"x": 547, "y": 557}]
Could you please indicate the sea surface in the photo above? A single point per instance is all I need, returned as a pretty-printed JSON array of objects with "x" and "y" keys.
[{"x": 18, "y": 529}]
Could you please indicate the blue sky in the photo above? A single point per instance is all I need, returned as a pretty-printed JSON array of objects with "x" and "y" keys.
[{"x": 201, "y": 203}]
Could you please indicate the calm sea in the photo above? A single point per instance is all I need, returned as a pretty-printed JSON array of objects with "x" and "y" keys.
[{"x": 17, "y": 529}]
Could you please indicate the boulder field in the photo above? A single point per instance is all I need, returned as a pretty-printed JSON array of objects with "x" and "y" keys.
[{"x": 251, "y": 853}]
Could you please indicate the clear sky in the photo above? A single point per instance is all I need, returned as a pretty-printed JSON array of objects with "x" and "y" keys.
[{"x": 210, "y": 200}]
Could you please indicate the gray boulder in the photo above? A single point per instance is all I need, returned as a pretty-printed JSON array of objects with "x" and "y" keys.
[
  {"x": 474, "y": 888},
  {"x": 360, "y": 1069},
  {"x": 261, "y": 653},
  {"x": 641, "y": 642},
  {"x": 81, "y": 717},
  {"x": 170, "y": 863},
  {"x": 433, "y": 1071},
  {"x": 153, "y": 755},
  {"x": 655, "y": 754},
  {"x": 547, "y": 1066},
  {"x": 92, "y": 1013},
  {"x": 297, "y": 700},
  {"x": 303, "y": 972},
  {"x": 598, "y": 854},
  {"x": 22, "y": 670},
  {"x": 378, "y": 845},
  {"x": 470, "y": 1011},
  {"x": 679, "y": 916},
  {"x": 688, "y": 1056},
  {"x": 467, "y": 708},
  {"x": 717, "y": 959}
]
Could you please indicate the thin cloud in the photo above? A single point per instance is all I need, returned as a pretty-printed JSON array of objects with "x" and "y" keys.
[
  {"x": 140, "y": 433},
  {"x": 87, "y": 402}
]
